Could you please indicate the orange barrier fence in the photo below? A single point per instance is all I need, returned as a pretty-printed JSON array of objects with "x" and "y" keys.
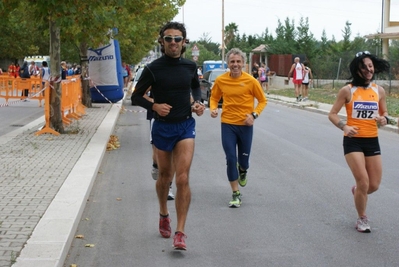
[
  {"x": 20, "y": 88},
  {"x": 71, "y": 95},
  {"x": 71, "y": 104}
]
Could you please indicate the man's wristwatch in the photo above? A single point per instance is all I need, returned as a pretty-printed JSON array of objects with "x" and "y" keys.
[
  {"x": 255, "y": 115},
  {"x": 196, "y": 101}
]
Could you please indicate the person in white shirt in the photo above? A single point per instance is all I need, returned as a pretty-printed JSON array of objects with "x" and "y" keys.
[
  {"x": 297, "y": 69},
  {"x": 45, "y": 74},
  {"x": 33, "y": 69},
  {"x": 307, "y": 79}
]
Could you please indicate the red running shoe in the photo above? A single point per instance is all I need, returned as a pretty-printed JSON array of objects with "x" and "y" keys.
[
  {"x": 179, "y": 242},
  {"x": 164, "y": 227}
]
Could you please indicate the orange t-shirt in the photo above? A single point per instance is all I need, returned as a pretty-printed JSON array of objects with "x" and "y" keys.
[
  {"x": 362, "y": 109},
  {"x": 238, "y": 97},
  {"x": 11, "y": 70}
]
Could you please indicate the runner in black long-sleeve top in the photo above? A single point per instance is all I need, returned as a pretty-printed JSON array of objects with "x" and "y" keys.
[{"x": 172, "y": 79}]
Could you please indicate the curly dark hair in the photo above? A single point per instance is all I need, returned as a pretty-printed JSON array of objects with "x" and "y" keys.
[
  {"x": 380, "y": 65},
  {"x": 172, "y": 25}
]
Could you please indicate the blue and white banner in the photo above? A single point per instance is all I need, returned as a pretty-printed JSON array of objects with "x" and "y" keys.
[
  {"x": 102, "y": 65},
  {"x": 105, "y": 71}
]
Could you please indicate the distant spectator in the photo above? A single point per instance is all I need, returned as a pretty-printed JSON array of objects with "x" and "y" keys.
[
  {"x": 44, "y": 74},
  {"x": 71, "y": 70},
  {"x": 11, "y": 70},
  {"x": 24, "y": 73},
  {"x": 17, "y": 68},
  {"x": 307, "y": 79},
  {"x": 298, "y": 71},
  {"x": 33, "y": 69},
  {"x": 199, "y": 72},
  {"x": 1, "y": 71},
  {"x": 264, "y": 73},
  {"x": 78, "y": 70},
  {"x": 74, "y": 66},
  {"x": 126, "y": 74},
  {"x": 255, "y": 69},
  {"x": 64, "y": 70}
]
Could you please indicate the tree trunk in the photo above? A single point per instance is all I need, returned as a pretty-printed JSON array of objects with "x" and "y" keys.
[
  {"x": 55, "y": 91},
  {"x": 84, "y": 63}
]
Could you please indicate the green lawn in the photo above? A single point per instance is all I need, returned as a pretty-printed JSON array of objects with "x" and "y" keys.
[{"x": 328, "y": 95}]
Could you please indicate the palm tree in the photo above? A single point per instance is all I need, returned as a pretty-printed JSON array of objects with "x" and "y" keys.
[{"x": 230, "y": 32}]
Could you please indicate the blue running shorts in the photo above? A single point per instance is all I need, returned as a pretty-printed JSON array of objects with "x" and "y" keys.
[{"x": 166, "y": 135}]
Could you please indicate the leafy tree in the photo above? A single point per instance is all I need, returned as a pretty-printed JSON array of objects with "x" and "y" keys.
[
  {"x": 285, "y": 42},
  {"x": 206, "y": 41},
  {"x": 346, "y": 34},
  {"x": 327, "y": 57},
  {"x": 84, "y": 24},
  {"x": 305, "y": 40},
  {"x": 21, "y": 36},
  {"x": 267, "y": 38}
]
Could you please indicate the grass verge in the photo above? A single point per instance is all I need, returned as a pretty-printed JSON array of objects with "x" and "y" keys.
[{"x": 328, "y": 95}]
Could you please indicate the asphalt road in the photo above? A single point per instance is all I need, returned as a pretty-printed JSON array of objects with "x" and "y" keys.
[
  {"x": 297, "y": 206},
  {"x": 18, "y": 114}
]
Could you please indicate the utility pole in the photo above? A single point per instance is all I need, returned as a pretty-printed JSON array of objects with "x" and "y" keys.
[
  {"x": 382, "y": 27},
  {"x": 222, "y": 34}
]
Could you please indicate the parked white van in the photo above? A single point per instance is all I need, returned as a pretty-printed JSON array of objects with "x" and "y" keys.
[{"x": 38, "y": 60}]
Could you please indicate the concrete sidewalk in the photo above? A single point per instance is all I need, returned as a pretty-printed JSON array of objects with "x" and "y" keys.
[{"x": 46, "y": 180}]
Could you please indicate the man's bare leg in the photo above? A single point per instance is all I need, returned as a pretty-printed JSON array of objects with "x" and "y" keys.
[{"x": 182, "y": 158}]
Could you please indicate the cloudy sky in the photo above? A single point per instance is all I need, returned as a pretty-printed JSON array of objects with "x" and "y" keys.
[{"x": 253, "y": 16}]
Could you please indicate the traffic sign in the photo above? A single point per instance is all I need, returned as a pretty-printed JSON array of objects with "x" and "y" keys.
[
  {"x": 195, "y": 48},
  {"x": 195, "y": 58}
]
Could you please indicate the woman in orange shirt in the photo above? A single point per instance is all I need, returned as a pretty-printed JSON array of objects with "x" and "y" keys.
[
  {"x": 11, "y": 70},
  {"x": 365, "y": 104},
  {"x": 17, "y": 69}
]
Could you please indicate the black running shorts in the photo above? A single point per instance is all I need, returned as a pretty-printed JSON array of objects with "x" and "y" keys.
[{"x": 369, "y": 146}]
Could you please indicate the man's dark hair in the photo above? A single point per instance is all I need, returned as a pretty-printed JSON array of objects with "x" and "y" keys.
[
  {"x": 380, "y": 65},
  {"x": 175, "y": 26},
  {"x": 44, "y": 63}
]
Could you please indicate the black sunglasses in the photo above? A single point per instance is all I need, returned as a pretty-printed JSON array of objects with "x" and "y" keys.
[
  {"x": 169, "y": 39},
  {"x": 358, "y": 54}
]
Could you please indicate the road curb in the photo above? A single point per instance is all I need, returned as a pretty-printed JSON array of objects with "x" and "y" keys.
[{"x": 50, "y": 241}]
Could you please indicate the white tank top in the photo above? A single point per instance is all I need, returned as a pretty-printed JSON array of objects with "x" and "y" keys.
[
  {"x": 306, "y": 78},
  {"x": 298, "y": 70},
  {"x": 46, "y": 74}
]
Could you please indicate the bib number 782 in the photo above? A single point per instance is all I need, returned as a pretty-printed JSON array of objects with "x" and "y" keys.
[{"x": 365, "y": 114}]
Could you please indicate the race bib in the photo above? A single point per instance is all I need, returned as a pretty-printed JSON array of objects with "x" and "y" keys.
[{"x": 366, "y": 110}]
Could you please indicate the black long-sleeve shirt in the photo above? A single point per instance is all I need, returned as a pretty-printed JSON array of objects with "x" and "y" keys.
[{"x": 172, "y": 80}]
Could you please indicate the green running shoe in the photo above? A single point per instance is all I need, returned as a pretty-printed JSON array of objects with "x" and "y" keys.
[
  {"x": 242, "y": 177},
  {"x": 236, "y": 201}
]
